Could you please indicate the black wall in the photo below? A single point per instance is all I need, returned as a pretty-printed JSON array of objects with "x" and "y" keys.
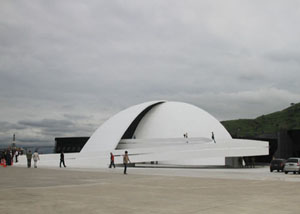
[{"x": 69, "y": 144}]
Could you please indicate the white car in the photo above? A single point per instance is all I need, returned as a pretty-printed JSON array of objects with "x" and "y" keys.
[{"x": 292, "y": 165}]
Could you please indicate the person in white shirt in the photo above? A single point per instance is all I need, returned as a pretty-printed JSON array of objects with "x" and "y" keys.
[{"x": 35, "y": 158}]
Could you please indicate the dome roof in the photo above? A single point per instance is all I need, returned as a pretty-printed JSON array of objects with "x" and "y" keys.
[
  {"x": 155, "y": 120},
  {"x": 173, "y": 119}
]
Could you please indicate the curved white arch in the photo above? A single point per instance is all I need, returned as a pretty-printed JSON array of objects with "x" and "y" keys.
[{"x": 109, "y": 134}]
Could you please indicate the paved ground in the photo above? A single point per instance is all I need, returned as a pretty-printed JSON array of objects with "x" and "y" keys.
[{"x": 143, "y": 190}]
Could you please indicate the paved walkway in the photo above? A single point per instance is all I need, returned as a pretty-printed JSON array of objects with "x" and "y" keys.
[{"x": 105, "y": 191}]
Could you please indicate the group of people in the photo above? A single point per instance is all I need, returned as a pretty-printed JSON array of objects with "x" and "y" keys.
[
  {"x": 126, "y": 160},
  {"x": 185, "y": 135},
  {"x": 35, "y": 157},
  {"x": 7, "y": 156}
]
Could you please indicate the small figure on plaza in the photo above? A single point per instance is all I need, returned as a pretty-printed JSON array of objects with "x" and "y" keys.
[
  {"x": 62, "y": 159},
  {"x": 125, "y": 161},
  {"x": 112, "y": 160},
  {"x": 29, "y": 157},
  {"x": 35, "y": 158}
]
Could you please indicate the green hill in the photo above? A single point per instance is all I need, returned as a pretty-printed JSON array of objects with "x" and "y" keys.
[{"x": 288, "y": 118}]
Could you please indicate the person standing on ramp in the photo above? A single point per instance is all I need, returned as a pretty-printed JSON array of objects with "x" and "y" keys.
[{"x": 213, "y": 137}]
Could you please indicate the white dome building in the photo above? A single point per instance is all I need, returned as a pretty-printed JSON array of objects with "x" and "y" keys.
[
  {"x": 154, "y": 132},
  {"x": 155, "y": 120}
]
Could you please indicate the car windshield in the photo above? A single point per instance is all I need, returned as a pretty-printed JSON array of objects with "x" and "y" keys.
[
  {"x": 293, "y": 160},
  {"x": 277, "y": 161}
]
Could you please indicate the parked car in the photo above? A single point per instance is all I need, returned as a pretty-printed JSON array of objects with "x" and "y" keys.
[
  {"x": 292, "y": 165},
  {"x": 277, "y": 164}
]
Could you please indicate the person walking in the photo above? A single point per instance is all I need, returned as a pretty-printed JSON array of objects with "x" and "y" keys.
[
  {"x": 112, "y": 160},
  {"x": 35, "y": 158},
  {"x": 17, "y": 155},
  {"x": 8, "y": 158},
  {"x": 29, "y": 157},
  {"x": 62, "y": 159},
  {"x": 125, "y": 162}
]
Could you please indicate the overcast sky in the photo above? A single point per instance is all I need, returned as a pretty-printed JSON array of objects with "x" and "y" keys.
[{"x": 66, "y": 65}]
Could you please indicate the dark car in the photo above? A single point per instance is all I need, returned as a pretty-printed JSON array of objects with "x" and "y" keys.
[{"x": 277, "y": 164}]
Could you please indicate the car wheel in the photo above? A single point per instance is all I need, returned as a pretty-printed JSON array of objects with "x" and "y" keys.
[
  {"x": 286, "y": 172},
  {"x": 277, "y": 170},
  {"x": 294, "y": 172},
  {"x": 271, "y": 170}
]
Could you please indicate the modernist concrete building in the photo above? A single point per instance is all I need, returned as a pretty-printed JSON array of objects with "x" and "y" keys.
[{"x": 166, "y": 133}]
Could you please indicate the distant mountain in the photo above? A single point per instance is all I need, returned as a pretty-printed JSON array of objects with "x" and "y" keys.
[{"x": 288, "y": 118}]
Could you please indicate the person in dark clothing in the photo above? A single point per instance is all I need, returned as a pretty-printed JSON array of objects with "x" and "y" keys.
[
  {"x": 29, "y": 157},
  {"x": 62, "y": 159},
  {"x": 8, "y": 158},
  {"x": 112, "y": 160},
  {"x": 213, "y": 137},
  {"x": 17, "y": 155}
]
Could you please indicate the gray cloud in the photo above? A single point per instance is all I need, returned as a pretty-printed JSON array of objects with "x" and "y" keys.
[
  {"x": 77, "y": 63},
  {"x": 5, "y": 126},
  {"x": 49, "y": 123},
  {"x": 284, "y": 57}
]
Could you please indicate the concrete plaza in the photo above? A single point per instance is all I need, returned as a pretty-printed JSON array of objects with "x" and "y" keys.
[{"x": 147, "y": 190}]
